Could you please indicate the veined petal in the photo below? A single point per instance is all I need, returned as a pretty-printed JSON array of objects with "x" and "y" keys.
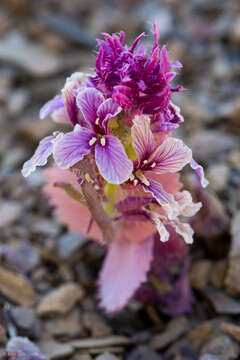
[
  {"x": 165, "y": 199},
  {"x": 142, "y": 137},
  {"x": 88, "y": 101},
  {"x": 52, "y": 105},
  {"x": 112, "y": 161},
  {"x": 108, "y": 110},
  {"x": 200, "y": 172},
  {"x": 171, "y": 156},
  {"x": 72, "y": 147},
  {"x": 39, "y": 158},
  {"x": 184, "y": 230},
  {"x": 125, "y": 268},
  {"x": 131, "y": 203}
]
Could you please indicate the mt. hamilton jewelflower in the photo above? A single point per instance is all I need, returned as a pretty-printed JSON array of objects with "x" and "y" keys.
[{"x": 116, "y": 173}]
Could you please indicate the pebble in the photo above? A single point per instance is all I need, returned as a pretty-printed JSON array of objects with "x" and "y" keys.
[
  {"x": 3, "y": 335},
  {"x": 10, "y": 212},
  {"x": 46, "y": 227},
  {"x": 24, "y": 318},
  {"x": 222, "y": 303},
  {"x": 143, "y": 352},
  {"x": 61, "y": 300},
  {"x": 108, "y": 356},
  {"x": 222, "y": 346},
  {"x": 69, "y": 325},
  {"x": 16, "y": 288},
  {"x": 175, "y": 328},
  {"x": 218, "y": 273},
  {"x": 17, "y": 101},
  {"x": 231, "y": 329},
  {"x": 209, "y": 143},
  {"x": 96, "y": 325},
  {"x": 89, "y": 343},
  {"x": 235, "y": 31},
  {"x": 54, "y": 350},
  {"x": 200, "y": 274},
  {"x": 217, "y": 176},
  {"x": 28, "y": 56},
  {"x": 68, "y": 244}
]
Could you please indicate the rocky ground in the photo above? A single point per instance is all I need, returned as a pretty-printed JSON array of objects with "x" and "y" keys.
[{"x": 47, "y": 276}]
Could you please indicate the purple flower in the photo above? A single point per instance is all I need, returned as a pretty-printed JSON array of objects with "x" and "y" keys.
[
  {"x": 133, "y": 79},
  {"x": 168, "y": 157},
  {"x": 109, "y": 153}
]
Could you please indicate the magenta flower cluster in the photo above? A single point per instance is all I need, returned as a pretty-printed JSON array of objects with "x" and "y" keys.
[{"x": 118, "y": 166}]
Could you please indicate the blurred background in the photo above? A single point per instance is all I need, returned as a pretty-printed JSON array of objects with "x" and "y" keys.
[{"x": 41, "y": 43}]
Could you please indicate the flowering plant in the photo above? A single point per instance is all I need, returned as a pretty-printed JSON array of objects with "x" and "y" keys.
[{"x": 116, "y": 177}]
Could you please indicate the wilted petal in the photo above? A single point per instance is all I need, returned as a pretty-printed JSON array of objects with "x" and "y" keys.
[
  {"x": 124, "y": 269},
  {"x": 184, "y": 230},
  {"x": 88, "y": 102},
  {"x": 171, "y": 156},
  {"x": 72, "y": 147},
  {"x": 108, "y": 110},
  {"x": 142, "y": 137},
  {"x": 52, "y": 105},
  {"x": 163, "y": 233},
  {"x": 112, "y": 161},
  {"x": 200, "y": 172},
  {"x": 165, "y": 199},
  {"x": 39, "y": 158},
  {"x": 132, "y": 203},
  {"x": 186, "y": 205}
]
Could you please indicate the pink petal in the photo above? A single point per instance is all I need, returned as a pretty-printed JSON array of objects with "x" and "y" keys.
[
  {"x": 72, "y": 147},
  {"x": 200, "y": 172},
  {"x": 112, "y": 161},
  {"x": 163, "y": 233},
  {"x": 171, "y": 156},
  {"x": 39, "y": 158},
  {"x": 52, "y": 105},
  {"x": 125, "y": 268},
  {"x": 142, "y": 137},
  {"x": 165, "y": 199},
  {"x": 88, "y": 102},
  {"x": 70, "y": 212}
]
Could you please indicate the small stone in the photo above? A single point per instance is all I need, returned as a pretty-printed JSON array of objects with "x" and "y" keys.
[
  {"x": 23, "y": 318},
  {"x": 107, "y": 356},
  {"x": 200, "y": 334},
  {"x": 10, "y": 211},
  {"x": 46, "y": 227},
  {"x": 222, "y": 303},
  {"x": 235, "y": 31},
  {"x": 143, "y": 352},
  {"x": 17, "y": 50},
  {"x": 61, "y": 300},
  {"x": 217, "y": 176},
  {"x": 231, "y": 329},
  {"x": 90, "y": 343},
  {"x": 53, "y": 350},
  {"x": 200, "y": 274},
  {"x": 209, "y": 357},
  {"x": 69, "y": 325},
  {"x": 13, "y": 157},
  {"x": 222, "y": 346},
  {"x": 175, "y": 328},
  {"x": 93, "y": 322},
  {"x": 218, "y": 273},
  {"x": 35, "y": 130},
  {"x": 17, "y": 101},
  {"x": 69, "y": 243},
  {"x": 16, "y": 288},
  {"x": 234, "y": 159},
  {"x": 208, "y": 143}
]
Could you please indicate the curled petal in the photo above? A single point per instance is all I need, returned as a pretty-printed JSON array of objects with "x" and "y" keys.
[
  {"x": 186, "y": 205},
  {"x": 132, "y": 203},
  {"x": 200, "y": 172},
  {"x": 52, "y": 105},
  {"x": 163, "y": 233},
  {"x": 171, "y": 156},
  {"x": 72, "y": 147},
  {"x": 125, "y": 268},
  {"x": 69, "y": 96},
  {"x": 165, "y": 199},
  {"x": 142, "y": 137},
  {"x": 88, "y": 101},
  {"x": 112, "y": 161},
  {"x": 39, "y": 158},
  {"x": 108, "y": 110},
  {"x": 184, "y": 230}
]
